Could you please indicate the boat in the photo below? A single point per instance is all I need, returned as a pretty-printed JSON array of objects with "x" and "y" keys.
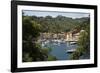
[
  {"x": 72, "y": 43},
  {"x": 71, "y": 50}
]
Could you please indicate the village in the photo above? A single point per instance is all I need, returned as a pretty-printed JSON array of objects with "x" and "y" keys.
[{"x": 71, "y": 36}]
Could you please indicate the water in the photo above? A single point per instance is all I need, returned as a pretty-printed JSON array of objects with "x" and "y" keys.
[{"x": 60, "y": 50}]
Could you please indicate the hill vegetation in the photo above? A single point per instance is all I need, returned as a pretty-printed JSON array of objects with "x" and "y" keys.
[{"x": 33, "y": 26}]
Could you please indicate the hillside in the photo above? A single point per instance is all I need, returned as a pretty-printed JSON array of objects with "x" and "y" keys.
[{"x": 58, "y": 24}]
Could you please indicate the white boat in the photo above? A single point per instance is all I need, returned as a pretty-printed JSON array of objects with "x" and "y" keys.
[
  {"x": 71, "y": 50},
  {"x": 73, "y": 43}
]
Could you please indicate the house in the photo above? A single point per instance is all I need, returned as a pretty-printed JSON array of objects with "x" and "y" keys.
[{"x": 73, "y": 35}]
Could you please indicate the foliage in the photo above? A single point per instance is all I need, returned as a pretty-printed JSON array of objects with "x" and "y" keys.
[
  {"x": 31, "y": 50},
  {"x": 52, "y": 24},
  {"x": 83, "y": 42},
  {"x": 33, "y": 26}
]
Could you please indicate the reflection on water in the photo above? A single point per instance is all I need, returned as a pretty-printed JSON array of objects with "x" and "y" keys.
[{"x": 60, "y": 50}]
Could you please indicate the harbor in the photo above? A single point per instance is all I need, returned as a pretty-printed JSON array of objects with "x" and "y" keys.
[{"x": 60, "y": 49}]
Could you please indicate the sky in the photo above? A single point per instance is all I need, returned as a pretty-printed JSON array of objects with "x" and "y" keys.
[{"x": 54, "y": 14}]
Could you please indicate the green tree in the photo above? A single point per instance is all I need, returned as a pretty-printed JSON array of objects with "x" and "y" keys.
[
  {"x": 83, "y": 49},
  {"x": 83, "y": 46},
  {"x": 31, "y": 50}
]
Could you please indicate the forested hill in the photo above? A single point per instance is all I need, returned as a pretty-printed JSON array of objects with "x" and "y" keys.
[{"x": 57, "y": 24}]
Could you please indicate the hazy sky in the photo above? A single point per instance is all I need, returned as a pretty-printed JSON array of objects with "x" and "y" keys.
[{"x": 54, "y": 14}]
